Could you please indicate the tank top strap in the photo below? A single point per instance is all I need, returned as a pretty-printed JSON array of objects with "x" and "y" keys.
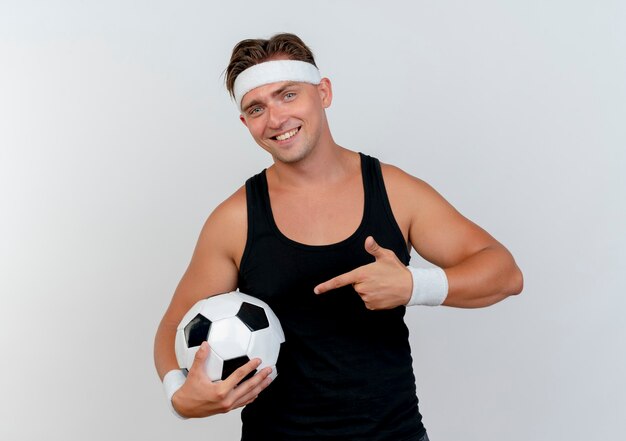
[
  {"x": 379, "y": 206},
  {"x": 257, "y": 201},
  {"x": 370, "y": 170}
]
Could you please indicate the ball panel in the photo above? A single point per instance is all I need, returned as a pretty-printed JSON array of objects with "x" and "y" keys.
[
  {"x": 271, "y": 316},
  {"x": 253, "y": 316},
  {"x": 214, "y": 366},
  {"x": 232, "y": 365},
  {"x": 180, "y": 348},
  {"x": 278, "y": 332},
  {"x": 229, "y": 338},
  {"x": 197, "y": 330},
  {"x": 275, "y": 325},
  {"x": 193, "y": 311},
  {"x": 221, "y": 306},
  {"x": 274, "y": 322},
  {"x": 190, "y": 355},
  {"x": 274, "y": 373},
  {"x": 264, "y": 345}
]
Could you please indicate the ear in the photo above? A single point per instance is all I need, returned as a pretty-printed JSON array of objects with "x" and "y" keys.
[
  {"x": 243, "y": 120},
  {"x": 325, "y": 90}
]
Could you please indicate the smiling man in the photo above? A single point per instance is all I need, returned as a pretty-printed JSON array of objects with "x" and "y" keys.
[{"x": 324, "y": 237}]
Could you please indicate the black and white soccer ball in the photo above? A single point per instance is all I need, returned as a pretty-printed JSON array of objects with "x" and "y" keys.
[{"x": 238, "y": 328}]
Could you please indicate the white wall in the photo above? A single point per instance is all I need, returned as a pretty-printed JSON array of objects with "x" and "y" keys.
[{"x": 117, "y": 139}]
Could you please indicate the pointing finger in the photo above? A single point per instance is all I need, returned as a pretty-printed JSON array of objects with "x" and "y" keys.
[{"x": 337, "y": 282}]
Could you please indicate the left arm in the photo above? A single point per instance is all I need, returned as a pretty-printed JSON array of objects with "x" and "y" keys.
[
  {"x": 479, "y": 269},
  {"x": 483, "y": 278}
]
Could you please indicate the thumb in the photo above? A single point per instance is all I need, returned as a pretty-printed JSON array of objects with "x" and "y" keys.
[
  {"x": 199, "y": 360},
  {"x": 373, "y": 248}
]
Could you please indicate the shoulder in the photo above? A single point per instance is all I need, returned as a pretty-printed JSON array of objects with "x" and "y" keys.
[
  {"x": 232, "y": 209},
  {"x": 226, "y": 227},
  {"x": 403, "y": 192},
  {"x": 413, "y": 201},
  {"x": 402, "y": 186},
  {"x": 214, "y": 263}
]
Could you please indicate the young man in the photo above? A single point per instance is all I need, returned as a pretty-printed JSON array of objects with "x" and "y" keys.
[{"x": 323, "y": 236}]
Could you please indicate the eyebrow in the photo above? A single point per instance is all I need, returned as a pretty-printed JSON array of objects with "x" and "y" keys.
[{"x": 276, "y": 92}]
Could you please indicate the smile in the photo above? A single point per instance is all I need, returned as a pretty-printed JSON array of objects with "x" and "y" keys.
[{"x": 287, "y": 135}]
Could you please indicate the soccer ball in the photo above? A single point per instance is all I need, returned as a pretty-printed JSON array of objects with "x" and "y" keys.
[{"x": 238, "y": 328}]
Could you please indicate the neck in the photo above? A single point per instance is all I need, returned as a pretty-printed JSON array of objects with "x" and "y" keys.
[{"x": 327, "y": 163}]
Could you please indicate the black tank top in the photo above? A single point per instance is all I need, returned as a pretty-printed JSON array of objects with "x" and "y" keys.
[{"x": 344, "y": 372}]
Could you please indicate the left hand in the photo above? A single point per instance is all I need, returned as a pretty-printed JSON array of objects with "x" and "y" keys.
[{"x": 383, "y": 284}]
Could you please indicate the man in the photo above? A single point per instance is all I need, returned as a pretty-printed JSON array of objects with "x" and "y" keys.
[{"x": 323, "y": 236}]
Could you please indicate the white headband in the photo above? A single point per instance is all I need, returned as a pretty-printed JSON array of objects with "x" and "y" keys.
[{"x": 273, "y": 72}]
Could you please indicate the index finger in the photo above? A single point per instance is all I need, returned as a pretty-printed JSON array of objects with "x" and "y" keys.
[{"x": 336, "y": 282}]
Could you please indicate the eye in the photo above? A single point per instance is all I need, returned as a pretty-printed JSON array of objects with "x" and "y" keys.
[
  {"x": 254, "y": 111},
  {"x": 290, "y": 95}
]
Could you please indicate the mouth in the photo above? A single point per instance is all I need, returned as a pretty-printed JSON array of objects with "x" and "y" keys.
[{"x": 285, "y": 136}]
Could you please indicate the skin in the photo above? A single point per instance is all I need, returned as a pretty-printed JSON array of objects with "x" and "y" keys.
[{"x": 316, "y": 194}]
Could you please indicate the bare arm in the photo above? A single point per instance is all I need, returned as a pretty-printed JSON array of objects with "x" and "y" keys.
[
  {"x": 213, "y": 270},
  {"x": 480, "y": 270}
]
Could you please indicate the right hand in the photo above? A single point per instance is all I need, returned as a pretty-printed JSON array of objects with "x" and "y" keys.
[{"x": 200, "y": 397}]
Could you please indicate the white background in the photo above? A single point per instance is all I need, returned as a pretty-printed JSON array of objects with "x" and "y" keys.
[{"x": 117, "y": 139}]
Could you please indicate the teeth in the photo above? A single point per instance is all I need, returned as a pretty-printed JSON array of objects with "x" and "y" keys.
[{"x": 287, "y": 135}]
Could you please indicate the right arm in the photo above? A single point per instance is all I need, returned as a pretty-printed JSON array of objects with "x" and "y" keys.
[{"x": 213, "y": 270}]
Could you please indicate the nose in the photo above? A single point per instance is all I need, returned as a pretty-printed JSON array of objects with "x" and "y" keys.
[{"x": 275, "y": 117}]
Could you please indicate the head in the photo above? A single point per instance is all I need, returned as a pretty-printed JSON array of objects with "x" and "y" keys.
[
  {"x": 249, "y": 52},
  {"x": 281, "y": 95}
]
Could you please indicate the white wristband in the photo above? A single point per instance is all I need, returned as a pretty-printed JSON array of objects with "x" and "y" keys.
[
  {"x": 172, "y": 381},
  {"x": 430, "y": 286}
]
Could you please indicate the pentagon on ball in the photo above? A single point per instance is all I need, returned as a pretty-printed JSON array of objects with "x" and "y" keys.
[{"x": 238, "y": 328}]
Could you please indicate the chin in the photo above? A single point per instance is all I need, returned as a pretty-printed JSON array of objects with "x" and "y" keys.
[
  {"x": 292, "y": 156},
  {"x": 289, "y": 159}
]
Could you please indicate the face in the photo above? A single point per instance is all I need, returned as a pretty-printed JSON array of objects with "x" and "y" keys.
[{"x": 287, "y": 119}]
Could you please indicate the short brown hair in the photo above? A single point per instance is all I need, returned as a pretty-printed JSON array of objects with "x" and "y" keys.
[{"x": 249, "y": 52}]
